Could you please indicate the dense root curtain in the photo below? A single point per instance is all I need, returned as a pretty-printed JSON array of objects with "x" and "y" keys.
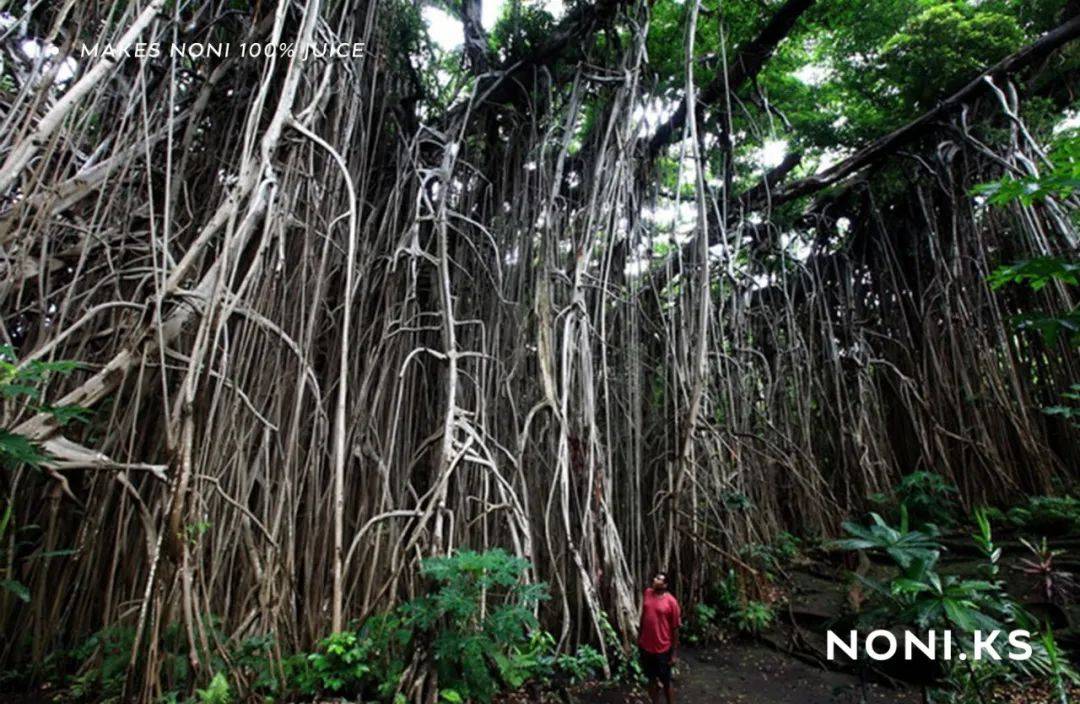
[{"x": 328, "y": 332}]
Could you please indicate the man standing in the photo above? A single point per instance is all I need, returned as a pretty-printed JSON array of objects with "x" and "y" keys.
[{"x": 659, "y": 637}]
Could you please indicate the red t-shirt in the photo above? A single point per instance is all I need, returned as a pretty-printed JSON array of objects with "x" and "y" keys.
[{"x": 660, "y": 616}]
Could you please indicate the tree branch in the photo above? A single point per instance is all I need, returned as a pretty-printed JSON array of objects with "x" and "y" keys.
[
  {"x": 766, "y": 194},
  {"x": 888, "y": 144},
  {"x": 745, "y": 66}
]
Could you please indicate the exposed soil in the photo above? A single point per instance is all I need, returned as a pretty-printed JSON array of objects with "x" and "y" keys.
[{"x": 751, "y": 673}]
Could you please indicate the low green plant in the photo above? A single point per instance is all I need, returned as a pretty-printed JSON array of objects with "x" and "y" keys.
[
  {"x": 584, "y": 665},
  {"x": 769, "y": 559},
  {"x": 727, "y": 606},
  {"x": 703, "y": 624},
  {"x": 725, "y": 594},
  {"x": 23, "y": 384},
  {"x": 911, "y": 550},
  {"x": 1062, "y": 675},
  {"x": 930, "y": 500},
  {"x": 917, "y": 595},
  {"x": 1047, "y": 515},
  {"x": 1049, "y": 581},
  {"x": 217, "y": 692},
  {"x": 753, "y": 618},
  {"x": 110, "y": 651},
  {"x": 476, "y": 624},
  {"x": 479, "y": 614}
]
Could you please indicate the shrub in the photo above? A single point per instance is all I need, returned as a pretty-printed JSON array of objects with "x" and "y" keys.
[
  {"x": 357, "y": 663},
  {"x": 704, "y": 624},
  {"x": 1049, "y": 581},
  {"x": 929, "y": 499},
  {"x": 917, "y": 595},
  {"x": 753, "y": 618},
  {"x": 217, "y": 692},
  {"x": 1047, "y": 515},
  {"x": 477, "y": 625},
  {"x": 583, "y": 665},
  {"x": 473, "y": 646}
]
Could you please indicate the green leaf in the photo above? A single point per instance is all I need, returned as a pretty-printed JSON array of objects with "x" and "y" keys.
[
  {"x": 17, "y": 588},
  {"x": 16, "y": 450}
]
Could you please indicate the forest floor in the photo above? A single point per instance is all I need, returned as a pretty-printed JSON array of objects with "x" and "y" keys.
[{"x": 754, "y": 673}]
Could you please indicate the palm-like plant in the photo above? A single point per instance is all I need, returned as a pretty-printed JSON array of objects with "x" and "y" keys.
[
  {"x": 912, "y": 550},
  {"x": 1055, "y": 585}
]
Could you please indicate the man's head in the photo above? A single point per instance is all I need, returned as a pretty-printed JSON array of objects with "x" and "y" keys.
[{"x": 660, "y": 581}]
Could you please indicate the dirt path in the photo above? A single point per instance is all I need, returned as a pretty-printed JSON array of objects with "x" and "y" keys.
[{"x": 748, "y": 673}]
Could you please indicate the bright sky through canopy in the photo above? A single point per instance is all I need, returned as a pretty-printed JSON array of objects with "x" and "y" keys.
[{"x": 445, "y": 29}]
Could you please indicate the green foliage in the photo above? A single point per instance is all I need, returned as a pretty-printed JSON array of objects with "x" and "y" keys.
[
  {"x": 584, "y": 665},
  {"x": 1047, "y": 515},
  {"x": 23, "y": 384},
  {"x": 917, "y": 595},
  {"x": 472, "y": 645},
  {"x": 753, "y": 617},
  {"x": 929, "y": 499},
  {"x": 477, "y": 624},
  {"x": 110, "y": 651},
  {"x": 340, "y": 665},
  {"x": 217, "y": 692},
  {"x": 769, "y": 558},
  {"x": 1036, "y": 273},
  {"x": 521, "y": 28},
  {"x": 1069, "y": 409},
  {"x": 1061, "y": 673},
  {"x": 913, "y": 551},
  {"x": 367, "y": 661},
  {"x": 945, "y": 46},
  {"x": 1060, "y": 181},
  {"x": 703, "y": 624},
  {"x": 17, "y": 588},
  {"x": 727, "y": 607}
]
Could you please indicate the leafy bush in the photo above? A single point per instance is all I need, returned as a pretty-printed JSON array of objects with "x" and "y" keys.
[
  {"x": 477, "y": 625},
  {"x": 911, "y": 550},
  {"x": 703, "y": 625},
  {"x": 928, "y": 498},
  {"x": 357, "y": 663},
  {"x": 110, "y": 649},
  {"x": 217, "y": 692},
  {"x": 473, "y": 646},
  {"x": 727, "y": 607},
  {"x": 917, "y": 595},
  {"x": 753, "y": 618},
  {"x": 584, "y": 665},
  {"x": 1047, "y": 515},
  {"x": 770, "y": 558},
  {"x": 23, "y": 383},
  {"x": 1049, "y": 582}
]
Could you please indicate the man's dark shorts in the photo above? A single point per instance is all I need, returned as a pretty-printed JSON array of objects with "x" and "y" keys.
[{"x": 656, "y": 666}]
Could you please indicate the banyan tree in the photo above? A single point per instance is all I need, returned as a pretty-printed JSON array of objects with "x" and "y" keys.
[{"x": 610, "y": 285}]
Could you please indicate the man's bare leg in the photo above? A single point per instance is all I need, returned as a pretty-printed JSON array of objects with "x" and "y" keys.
[
  {"x": 654, "y": 692},
  {"x": 669, "y": 692}
]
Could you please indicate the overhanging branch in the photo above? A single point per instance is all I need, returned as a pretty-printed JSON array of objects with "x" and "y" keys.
[{"x": 745, "y": 66}]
